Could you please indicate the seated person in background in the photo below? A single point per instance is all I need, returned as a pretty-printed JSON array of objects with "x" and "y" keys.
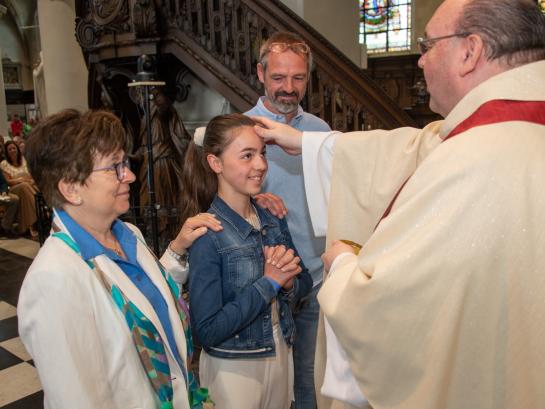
[
  {"x": 22, "y": 185},
  {"x": 18, "y": 140},
  {"x": 10, "y": 203}
]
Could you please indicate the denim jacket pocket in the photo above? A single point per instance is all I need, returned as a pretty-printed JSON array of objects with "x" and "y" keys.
[{"x": 244, "y": 267}]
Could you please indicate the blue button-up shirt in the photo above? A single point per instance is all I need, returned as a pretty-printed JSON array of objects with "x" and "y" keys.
[{"x": 91, "y": 248}]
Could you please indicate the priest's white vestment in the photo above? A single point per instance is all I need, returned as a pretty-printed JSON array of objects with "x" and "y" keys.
[{"x": 444, "y": 307}]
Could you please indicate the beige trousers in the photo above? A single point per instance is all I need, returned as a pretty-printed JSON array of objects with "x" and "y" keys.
[{"x": 27, "y": 205}]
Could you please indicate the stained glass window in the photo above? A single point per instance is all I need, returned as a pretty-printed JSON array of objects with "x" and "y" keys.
[{"x": 385, "y": 25}]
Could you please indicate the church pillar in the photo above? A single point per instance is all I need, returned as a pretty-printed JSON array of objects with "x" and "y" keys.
[
  {"x": 3, "y": 107},
  {"x": 64, "y": 70}
]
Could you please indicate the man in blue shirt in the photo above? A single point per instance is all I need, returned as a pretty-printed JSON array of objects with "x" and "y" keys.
[{"x": 284, "y": 67}]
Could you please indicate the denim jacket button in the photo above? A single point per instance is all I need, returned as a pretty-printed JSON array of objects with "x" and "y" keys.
[
  {"x": 237, "y": 336},
  {"x": 266, "y": 317},
  {"x": 264, "y": 232}
]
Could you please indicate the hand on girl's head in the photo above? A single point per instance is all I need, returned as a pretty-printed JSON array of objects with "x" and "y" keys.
[
  {"x": 261, "y": 121},
  {"x": 288, "y": 138}
]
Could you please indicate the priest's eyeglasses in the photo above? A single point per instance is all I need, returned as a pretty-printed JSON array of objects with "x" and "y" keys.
[
  {"x": 425, "y": 44},
  {"x": 297, "y": 48},
  {"x": 120, "y": 169}
]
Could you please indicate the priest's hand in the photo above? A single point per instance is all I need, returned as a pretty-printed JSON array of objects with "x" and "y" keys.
[
  {"x": 288, "y": 138},
  {"x": 337, "y": 248}
]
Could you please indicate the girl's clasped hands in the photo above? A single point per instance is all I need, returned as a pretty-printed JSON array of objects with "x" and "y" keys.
[{"x": 281, "y": 265}]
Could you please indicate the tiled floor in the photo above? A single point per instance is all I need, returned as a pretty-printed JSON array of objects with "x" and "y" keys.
[{"x": 19, "y": 384}]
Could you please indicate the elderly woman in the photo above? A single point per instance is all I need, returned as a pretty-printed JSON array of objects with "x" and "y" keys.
[
  {"x": 100, "y": 315},
  {"x": 22, "y": 185}
]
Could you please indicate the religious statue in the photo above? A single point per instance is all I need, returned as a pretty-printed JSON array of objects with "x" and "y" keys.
[
  {"x": 39, "y": 87},
  {"x": 170, "y": 140}
]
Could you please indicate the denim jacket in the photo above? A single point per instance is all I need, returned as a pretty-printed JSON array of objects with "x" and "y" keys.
[{"x": 230, "y": 298}]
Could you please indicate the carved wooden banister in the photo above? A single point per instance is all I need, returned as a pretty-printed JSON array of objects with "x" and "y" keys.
[{"x": 219, "y": 41}]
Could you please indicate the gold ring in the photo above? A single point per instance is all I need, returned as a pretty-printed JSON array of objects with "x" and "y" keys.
[{"x": 355, "y": 246}]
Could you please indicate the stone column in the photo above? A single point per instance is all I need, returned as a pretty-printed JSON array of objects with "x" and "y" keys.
[
  {"x": 3, "y": 107},
  {"x": 65, "y": 73}
]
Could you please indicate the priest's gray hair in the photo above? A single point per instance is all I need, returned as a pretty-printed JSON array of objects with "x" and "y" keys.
[{"x": 513, "y": 30}]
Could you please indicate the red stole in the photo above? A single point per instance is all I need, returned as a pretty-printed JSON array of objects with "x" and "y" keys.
[{"x": 491, "y": 112}]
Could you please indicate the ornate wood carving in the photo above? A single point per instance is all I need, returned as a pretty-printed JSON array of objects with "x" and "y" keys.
[
  {"x": 144, "y": 18},
  {"x": 106, "y": 12}
]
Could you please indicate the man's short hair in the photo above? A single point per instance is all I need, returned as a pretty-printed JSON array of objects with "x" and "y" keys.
[
  {"x": 284, "y": 37},
  {"x": 513, "y": 30}
]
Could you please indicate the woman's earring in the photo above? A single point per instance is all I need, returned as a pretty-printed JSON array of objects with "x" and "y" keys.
[{"x": 78, "y": 201}]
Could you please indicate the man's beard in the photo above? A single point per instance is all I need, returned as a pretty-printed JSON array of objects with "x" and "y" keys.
[{"x": 284, "y": 108}]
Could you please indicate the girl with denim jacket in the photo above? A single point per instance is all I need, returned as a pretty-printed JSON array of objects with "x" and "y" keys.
[{"x": 245, "y": 278}]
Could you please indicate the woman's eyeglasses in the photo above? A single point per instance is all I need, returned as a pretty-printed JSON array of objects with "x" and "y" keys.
[
  {"x": 298, "y": 48},
  {"x": 120, "y": 169}
]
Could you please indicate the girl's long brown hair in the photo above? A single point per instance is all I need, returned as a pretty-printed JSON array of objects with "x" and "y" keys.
[{"x": 200, "y": 183}]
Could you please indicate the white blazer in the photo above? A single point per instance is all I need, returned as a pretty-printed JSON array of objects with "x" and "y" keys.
[{"x": 78, "y": 338}]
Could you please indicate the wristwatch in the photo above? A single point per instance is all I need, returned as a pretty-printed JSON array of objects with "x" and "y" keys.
[{"x": 180, "y": 258}]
